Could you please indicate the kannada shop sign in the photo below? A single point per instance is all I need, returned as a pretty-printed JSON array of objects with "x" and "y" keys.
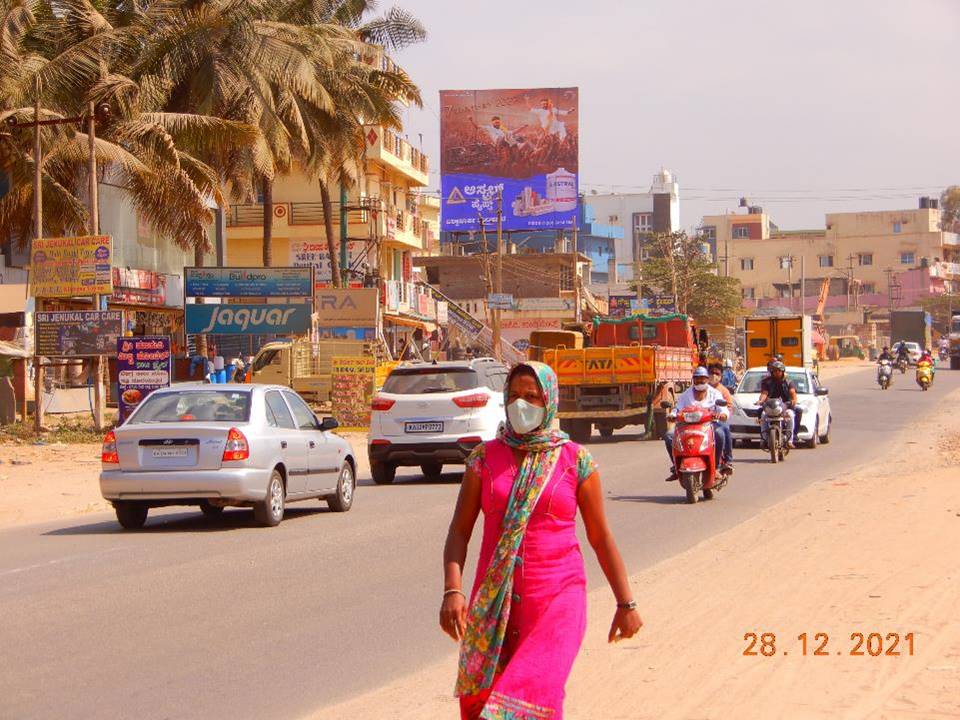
[
  {"x": 143, "y": 365},
  {"x": 352, "y": 386},
  {"x": 518, "y": 144},
  {"x": 285, "y": 319},
  {"x": 248, "y": 282},
  {"x": 77, "y": 334},
  {"x": 68, "y": 266},
  {"x": 314, "y": 254}
]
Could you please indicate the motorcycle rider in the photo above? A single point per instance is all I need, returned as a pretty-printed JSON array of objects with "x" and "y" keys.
[
  {"x": 927, "y": 357},
  {"x": 778, "y": 386},
  {"x": 701, "y": 395},
  {"x": 729, "y": 377},
  {"x": 885, "y": 355},
  {"x": 716, "y": 383},
  {"x": 903, "y": 352}
]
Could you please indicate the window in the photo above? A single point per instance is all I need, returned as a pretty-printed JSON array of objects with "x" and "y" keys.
[
  {"x": 897, "y": 227},
  {"x": 417, "y": 381},
  {"x": 270, "y": 357},
  {"x": 865, "y": 258},
  {"x": 790, "y": 342},
  {"x": 202, "y": 405},
  {"x": 496, "y": 379},
  {"x": 643, "y": 222},
  {"x": 741, "y": 232},
  {"x": 758, "y": 342},
  {"x": 825, "y": 260},
  {"x": 748, "y": 293},
  {"x": 746, "y": 263},
  {"x": 908, "y": 258},
  {"x": 277, "y": 413},
  {"x": 302, "y": 414},
  {"x": 868, "y": 288},
  {"x": 786, "y": 262}
]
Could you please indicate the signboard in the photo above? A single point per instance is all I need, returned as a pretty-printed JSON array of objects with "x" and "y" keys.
[
  {"x": 663, "y": 303},
  {"x": 138, "y": 287},
  {"x": 337, "y": 307},
  {"x": 517, "y": 330},
  {"x": 521, "y": 143},
  {"x": 367, "y": 334},
  {"x": 77, "y": 334},
  {"x": 500, "y": 301},
  {"x": 143, "y": 365},
  {"x": 248, "y": 282},
  {"x": 442, "y": 317},
  {"x": 68, "y": 266},
  {"x": 546, "y": 304},
  {"x": 620, "y": 305},
  {"x": 456, "y": 315},
  {"x": 274, "y": 319},
  {"x": 352, "y": 390},
  {"x": 314, "y": 254}
]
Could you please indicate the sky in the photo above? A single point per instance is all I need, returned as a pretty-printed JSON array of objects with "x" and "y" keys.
[{"x": 804, "y": 107}]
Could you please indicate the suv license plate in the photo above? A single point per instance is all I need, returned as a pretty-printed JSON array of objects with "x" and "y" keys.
[
  {"x": 169, "y": 452},
  {"x": 423, "y": 427}
]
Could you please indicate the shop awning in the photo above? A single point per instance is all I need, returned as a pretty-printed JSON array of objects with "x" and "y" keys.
[
  {"x": 9, "y": 349},
  {"x": 411, "y": 322}
]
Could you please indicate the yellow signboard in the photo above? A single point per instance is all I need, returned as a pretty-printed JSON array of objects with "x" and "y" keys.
[
  {"x": 68, "y": 266},
  {"x": 352, "y": 390}
]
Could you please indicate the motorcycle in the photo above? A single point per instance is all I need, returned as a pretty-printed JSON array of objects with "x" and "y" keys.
[
  {"x": 694, "y": 454},
  {"x": 773, "y": 426},
  {"x": 924, "y": 375},
  {"x": 884, "y": 374},
  {"x": 902, "y": 364}
]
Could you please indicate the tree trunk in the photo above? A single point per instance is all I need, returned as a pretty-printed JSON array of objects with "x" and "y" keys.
[
  {"x": 333, "y": 244},
  {"x": 267, "y": 222},
  {"x": 201, "y": 340}
]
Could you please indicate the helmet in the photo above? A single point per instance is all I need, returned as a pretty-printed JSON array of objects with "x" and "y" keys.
[
  {"x": 778, "y": 366},
  {"x": 700, "y": 372}
]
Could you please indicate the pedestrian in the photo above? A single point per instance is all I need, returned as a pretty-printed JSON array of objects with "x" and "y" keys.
[{"x": 526, "y": 617}]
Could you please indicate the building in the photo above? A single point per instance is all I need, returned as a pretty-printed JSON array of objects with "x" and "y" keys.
[
  {"x": 869, "y": 259},
  {"x": 637, "y": 215}
]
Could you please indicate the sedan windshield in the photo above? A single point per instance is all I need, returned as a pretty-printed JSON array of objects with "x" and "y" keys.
[
  {"x": 199, "y": 405},
  {"x": 751, "y": 382},
  {"x": 415, "y": 381}
]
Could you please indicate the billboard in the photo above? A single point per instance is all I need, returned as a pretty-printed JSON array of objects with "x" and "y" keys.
[
  {"x": 143, "y": 365},
  {"x": 77, "y": 333},
  {"x": 313, "y": 253},
  {"x": 523, "y": 143},
  {"x": 339, "y": 307},
  {"x": 248, "y": 282},
  {"x": 68, "y": 266},
  {"x": 273, "y": 319}
]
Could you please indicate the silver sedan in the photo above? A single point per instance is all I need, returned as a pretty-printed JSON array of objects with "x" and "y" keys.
[{"x": 219, "y": 445}]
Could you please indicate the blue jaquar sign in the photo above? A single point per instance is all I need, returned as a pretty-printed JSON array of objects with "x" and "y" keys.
[{"x": 273, "y": 319}]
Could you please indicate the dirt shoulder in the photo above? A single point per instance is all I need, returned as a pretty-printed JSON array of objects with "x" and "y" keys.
[{"x": 873, "y": 551}]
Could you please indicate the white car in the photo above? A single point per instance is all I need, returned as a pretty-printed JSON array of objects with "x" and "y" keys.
[
  {"x": 913, "y": 350},
  {"x": 434, "y": 413},
  {"x": 812, "y": 397}
]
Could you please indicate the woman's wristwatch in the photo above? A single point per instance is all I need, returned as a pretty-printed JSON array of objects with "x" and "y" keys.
[{"x": 632, "y": 605}]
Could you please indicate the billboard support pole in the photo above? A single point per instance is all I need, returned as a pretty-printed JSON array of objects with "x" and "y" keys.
[
  {"x": 497, "y": 350},
  {"x": 95, "y": 230},
  {"x": 38, "y": 234}
]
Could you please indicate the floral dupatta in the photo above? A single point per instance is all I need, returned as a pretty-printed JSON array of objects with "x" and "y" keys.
[{"x": 490, "y": 612}]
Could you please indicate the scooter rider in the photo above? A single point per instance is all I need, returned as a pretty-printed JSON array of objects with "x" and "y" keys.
[
  {"x": 717, "y": 384},
  {"x": 701, "y": 395},
  {"x": 778, "y": 386},
  {"x": 885, "y": 355},
  {"x": 903, "y": 352}
]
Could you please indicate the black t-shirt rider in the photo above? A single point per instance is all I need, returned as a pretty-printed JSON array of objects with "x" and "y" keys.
[{"x": 778, "y": 388}]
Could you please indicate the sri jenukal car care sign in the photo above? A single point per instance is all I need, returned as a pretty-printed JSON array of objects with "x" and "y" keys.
[{"x": 143, "y": 365}]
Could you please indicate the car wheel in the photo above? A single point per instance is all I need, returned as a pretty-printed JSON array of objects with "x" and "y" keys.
[
  {"x": 825, "y": 438},
  {"x": 131, "y": 515},
  {"x": 811, "y": 444},
  {"x": 383, "y": 473},
  {"x": 432, "y": 471},
  {"x": 211, "y": 511},
  {"x": 343, "y": 500},
  {"x": 269, "y": 511}
]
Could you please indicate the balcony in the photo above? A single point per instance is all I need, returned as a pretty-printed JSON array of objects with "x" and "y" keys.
[
  {"x": 301, "y": 213},
  {"x": 388, "y": 148}
]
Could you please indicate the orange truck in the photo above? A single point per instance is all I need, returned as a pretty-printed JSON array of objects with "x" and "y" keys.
[{"x": 626, "y": 368}]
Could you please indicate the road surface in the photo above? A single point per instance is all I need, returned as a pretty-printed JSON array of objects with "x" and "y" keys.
[{"x": 198, "y": 619}]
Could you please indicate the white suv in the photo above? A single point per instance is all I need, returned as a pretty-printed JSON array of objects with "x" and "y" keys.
[{"x": 429, "y": 414}]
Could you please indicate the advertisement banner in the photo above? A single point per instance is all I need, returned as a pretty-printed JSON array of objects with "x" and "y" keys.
[
  {"x": 77, "y": 334},
  {"x": 283, "y": 319},
  {"x": 620, "y": 304},
  {"x": 352, "y": 390},
  {"x": 313, "y": 253},
  {"x": 138, "y": 287},
  {"x": 143, "y": 365},
  {"x": 248, "y": 282},
  {"x": 68, "y": 266},
  {"x": 521, "y": 143},
  {"x": 356, "y": 307}
]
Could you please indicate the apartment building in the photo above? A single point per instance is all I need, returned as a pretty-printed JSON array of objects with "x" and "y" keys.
[{"x": 870, "y": 259}]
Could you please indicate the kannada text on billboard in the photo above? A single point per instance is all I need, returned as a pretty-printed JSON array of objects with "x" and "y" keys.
[{"x": 523, "y": 143}]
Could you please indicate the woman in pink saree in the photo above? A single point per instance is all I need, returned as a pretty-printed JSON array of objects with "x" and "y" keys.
[{"x": 526, "y": 618}]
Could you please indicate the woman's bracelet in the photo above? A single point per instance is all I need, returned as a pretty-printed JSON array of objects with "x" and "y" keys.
[
  {"x": 632, "y": 605},
  {"x": 454, "y": 591}
]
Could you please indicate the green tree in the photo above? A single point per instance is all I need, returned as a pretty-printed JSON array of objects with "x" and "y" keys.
[{"x": 950, "y": 209}]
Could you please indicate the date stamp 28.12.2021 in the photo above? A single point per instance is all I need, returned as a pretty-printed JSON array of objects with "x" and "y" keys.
[{"x": 821, "y": 644}]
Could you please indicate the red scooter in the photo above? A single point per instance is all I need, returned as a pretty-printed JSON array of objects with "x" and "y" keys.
[{"x": 694, "y": 454}]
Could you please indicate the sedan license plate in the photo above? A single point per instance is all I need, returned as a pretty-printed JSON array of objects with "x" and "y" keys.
[
  {"x": 169, "y": 452},
  {"x": 423, "y": 427}
]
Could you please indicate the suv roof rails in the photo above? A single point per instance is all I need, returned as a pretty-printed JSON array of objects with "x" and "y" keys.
[{"x": 484, "y": 360}]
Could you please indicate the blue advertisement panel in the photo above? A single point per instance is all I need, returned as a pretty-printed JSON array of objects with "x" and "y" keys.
[
  {"x": 143, "y": 365},
  {"x": 248, "y": 282},
  {"x": 521, "y": 143},
  {"x": 281, "y": 319}
]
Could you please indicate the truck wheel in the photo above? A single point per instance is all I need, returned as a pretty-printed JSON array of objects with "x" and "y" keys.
[
  {"x": 383, "y": 473},
  {"x": 955, "y": 362},
  {"x": 581, "y": 431},
  {"x": 606, "y": 432}
]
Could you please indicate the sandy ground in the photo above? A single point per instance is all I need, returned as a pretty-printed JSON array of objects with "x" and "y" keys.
[{"x": 874, "y": 551}]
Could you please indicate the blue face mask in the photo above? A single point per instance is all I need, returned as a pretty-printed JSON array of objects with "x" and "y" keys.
[{"x": 525, "y": 417}]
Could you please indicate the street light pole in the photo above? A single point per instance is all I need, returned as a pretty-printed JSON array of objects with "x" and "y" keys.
[
  {"x": 94, "y": 225},
  {"x": 37, "y": 235}
]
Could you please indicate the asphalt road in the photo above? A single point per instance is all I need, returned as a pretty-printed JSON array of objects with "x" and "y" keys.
[{"x": 199, "y": 619}]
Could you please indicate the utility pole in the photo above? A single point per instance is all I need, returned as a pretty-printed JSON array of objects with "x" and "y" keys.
[
  {"x": 803, "y": 284},
  {"x": 37, "y": 235},
  {"x": 497, "y": 349},
  {"x": 94, "y": 201},
  {"x": 344, "y": 269}
]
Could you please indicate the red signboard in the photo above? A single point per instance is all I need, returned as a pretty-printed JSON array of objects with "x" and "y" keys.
[{"x": 138, "y": 287}]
